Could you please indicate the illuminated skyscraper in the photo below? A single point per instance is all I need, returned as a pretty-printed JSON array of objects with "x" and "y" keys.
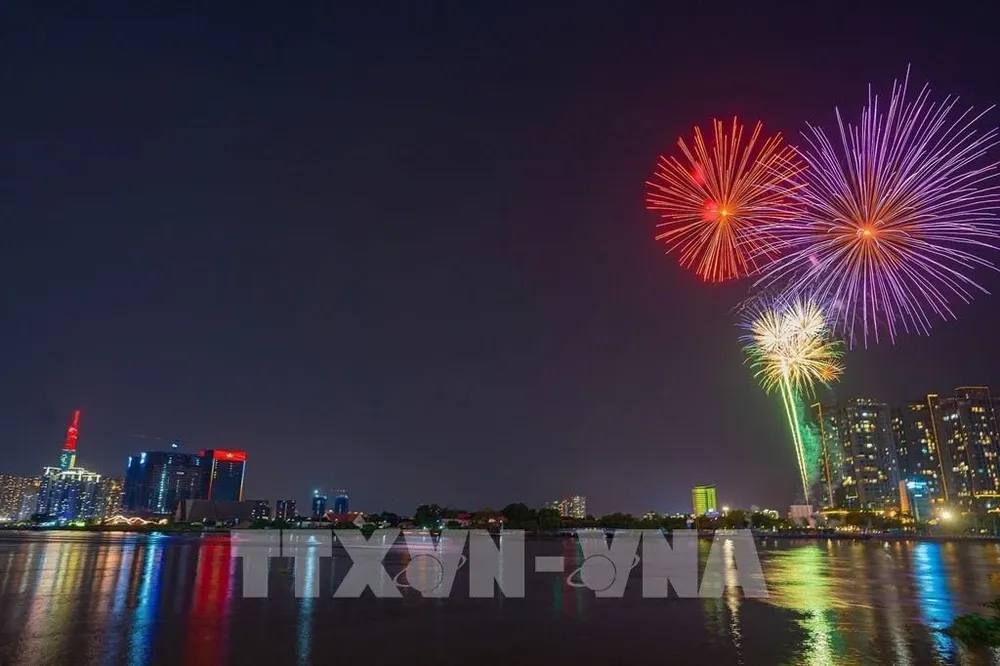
[
  {"x": 571, "y": 507},
  {"x": 112, "y": 492},
  {"x": 226, "y": 471},
  {"x": 831, "y": 473},
  {"x": 155, "y": 481},
  {"x": 318, "y": 504},
  {"x": 703, "y": 500},
  {"x": 871, "y": 478},
  {"x": 67, "y": 459},
  {"x": 341, "y": 500},
  {"x": 69, "y": 494},
  {"x": 966, "y": 432},
  {"x": 916, "y": 447},
  {"x": 13, "y": 490}
]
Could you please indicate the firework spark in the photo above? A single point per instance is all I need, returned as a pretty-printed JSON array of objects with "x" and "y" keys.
[
  {"x": 894, "y": 216},
  {"x": 717, "y": 204},
  {"x": 790, "y": 349}
]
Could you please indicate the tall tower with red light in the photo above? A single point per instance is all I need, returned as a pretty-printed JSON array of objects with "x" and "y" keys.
[{"x": 68, "y": 458}]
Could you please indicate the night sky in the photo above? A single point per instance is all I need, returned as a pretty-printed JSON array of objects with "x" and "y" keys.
[{"x": 402, "y": 247}]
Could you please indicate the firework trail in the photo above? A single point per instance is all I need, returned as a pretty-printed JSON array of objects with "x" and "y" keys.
[
  {"x": 894, "y": 216},
  {"x": 718, "y": 203},
  {"x": 790, "y": 350}
]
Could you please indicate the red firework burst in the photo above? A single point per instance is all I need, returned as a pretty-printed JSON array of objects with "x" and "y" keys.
[{"x": 718, "y": 203}]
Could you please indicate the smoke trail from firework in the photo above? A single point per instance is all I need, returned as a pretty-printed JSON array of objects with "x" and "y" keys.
[
  {"x": 896, "y": 215},
  {"x": 718, "y": 202}
]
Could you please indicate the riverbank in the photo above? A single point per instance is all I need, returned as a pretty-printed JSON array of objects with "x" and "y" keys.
[{"x": 188, "y": 530}]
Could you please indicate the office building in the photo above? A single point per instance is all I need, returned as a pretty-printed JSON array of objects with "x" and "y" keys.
[
  {"x": 703, "y": 500},
  {"x": 871, "y": 478},
  {"x": 966, "y": 433},
  {"x": 318, "y": 504},
  {"x": 13, "y": 491},
  {"x": 285, "y": 510},
  {"x": 341, "y": 500},
  {"x": 226, "y": 470},
  {"x": 916, "y": 447},
  {"x": 155, "y": 481},
  {"x": 69, "y": 494}
]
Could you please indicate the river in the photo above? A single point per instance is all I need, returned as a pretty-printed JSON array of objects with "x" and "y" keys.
[{"x": 103, "y": 599}]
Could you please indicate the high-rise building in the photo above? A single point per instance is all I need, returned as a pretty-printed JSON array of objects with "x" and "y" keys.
[
  {"x": 69, "y": 494},
  {"x": 703, "y": 500},
  {"x": 916, "y": 447},
  {"x": 318, "y": 504},
  {"x": 285, "y": 510},
  {"x": 226, "y": 470},
  {"x": 155, "y": 481},
  {"x": 67, "y": 460},
  {"x": 112, "y": 491},
  {"x": 341, "y": 500},
  {"x": 968, "y": 444},
  {"x": 13, "y": 490},
  {"x": 830, "y": 488},
  {"x": 871, "y": 478},
  {"x": 571, "y": 507}
]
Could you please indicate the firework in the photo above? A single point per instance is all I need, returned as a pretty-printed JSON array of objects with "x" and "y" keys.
[
  {"x": 895, "y": 215},
  {"x": 790, "y": 349},
  {"x": 718, "y": 202}
]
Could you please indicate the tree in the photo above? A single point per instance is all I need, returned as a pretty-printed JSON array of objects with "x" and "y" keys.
[
  {"x": 549, "y": 519},
  {"x": 427, "y": 515}
]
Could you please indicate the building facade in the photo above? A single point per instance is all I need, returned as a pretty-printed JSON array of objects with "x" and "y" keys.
[
  {"x": 14, "y": 490},
  {"x": 871, "y": 477},
  {"x": 155, "y": 481},
  {"x": 966, "y": 431},
  {"x": 703, "y": 500},
  {"x": 571, "y": 507},
  {"x": 830, "y": 487},
  {"x": 285, "y": 510},
  {"x": 226, "y": 471},
  {"x": 341, "y": 501},
  {"x": 916, "y": 447},
  {"x": 112, "y": 493},
  {"x": 318, "y": 504},
  {"x": 69, "y": 495}
]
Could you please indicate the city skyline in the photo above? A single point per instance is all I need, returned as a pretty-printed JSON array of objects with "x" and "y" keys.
[{"x": 406, "y": 270}]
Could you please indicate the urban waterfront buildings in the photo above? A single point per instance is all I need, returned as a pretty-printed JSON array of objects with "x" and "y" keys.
[
  {"x": 966, "y": 429},
  {"x": 156, "y": 481},
  {"x": 341, "y": 500},
  {"x": 14, "y": 491},
  {"x": 318, "y": 504},
  {"x": 942, "y": 450},
  {"x": 571, "y": 507},
  {"x": 285, "y": 510},
  {"x": 225, "y": 472},
  {"x": 703, "y": 500},
  {"x": 69, "y": 494}
]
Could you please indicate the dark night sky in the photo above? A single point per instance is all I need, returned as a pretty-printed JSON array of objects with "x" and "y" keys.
[{"x": 401, "y": 247}]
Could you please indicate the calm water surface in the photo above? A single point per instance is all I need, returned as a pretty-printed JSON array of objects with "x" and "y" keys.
[{"x": 69, "y": 599}]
